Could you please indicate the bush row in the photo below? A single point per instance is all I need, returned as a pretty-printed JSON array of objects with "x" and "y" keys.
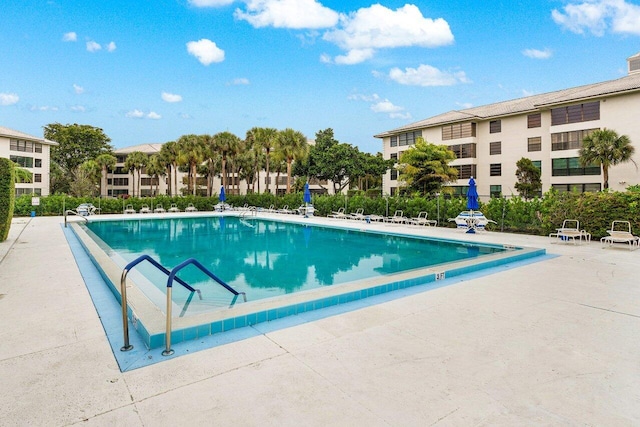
[
  {"x": 540, "y": 216},
  {"x": 7, "y": 196}
]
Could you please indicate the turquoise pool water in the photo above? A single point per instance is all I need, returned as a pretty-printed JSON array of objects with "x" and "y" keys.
[{"x": 265, "y": 258}]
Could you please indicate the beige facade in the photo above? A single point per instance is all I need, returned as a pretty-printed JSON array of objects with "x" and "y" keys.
[
  {"x": 31, "y": 153},
  {"x": 547, "y": 128}
]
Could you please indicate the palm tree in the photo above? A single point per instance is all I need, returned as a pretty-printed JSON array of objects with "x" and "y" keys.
[
  {"x": 155, "y": 169},
  {"x": 212, "y": 159},
  {"x": 21, "y": 174},
  {"x": 227, "y": 144},
  {"x": 191, "y": 154},
  {"x": 266, "y": 138},
  {"x": 107, "y": 162},
  {"x": 604, "y": 147},
  {"x": 136, "y": 161},
  {"x": 170, "y": 152},
  {"x": 293, "y": 146}
]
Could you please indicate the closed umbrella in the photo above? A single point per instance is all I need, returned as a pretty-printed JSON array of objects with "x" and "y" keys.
[
  {"x": 472, "y": 205},
  {"x": 306, "y": 197},
  {"x": 222, "y": 195}
]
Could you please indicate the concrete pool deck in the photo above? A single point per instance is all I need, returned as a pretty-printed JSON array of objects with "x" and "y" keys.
[{"x": 554, "y": 342}]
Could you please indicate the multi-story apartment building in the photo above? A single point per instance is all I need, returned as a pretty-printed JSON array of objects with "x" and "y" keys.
[
  {"x": 31, "y": 153},
  {"x": 547, "y": 128}
]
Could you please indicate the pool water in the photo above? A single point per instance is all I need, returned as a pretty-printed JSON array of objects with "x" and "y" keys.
[{"x": 266, "y": 258}]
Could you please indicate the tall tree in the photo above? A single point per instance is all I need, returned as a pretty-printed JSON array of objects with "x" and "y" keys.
[
  {"x": 212, "y": 162},
  {"x": 156, "y": 168},
  {"x": 425, "y": 167},
  {"x": 266, "y": 138},
  {"x": 228, "y": 145},
  {"x": 76, "y": 144},
  {"x": 529, "y": 183},
  {"x": 107, "y": 162},
  {"x": 135, "y": 163},
  {"x": 191, "y": 154},
  {"x": 605, "y": 148},
  {"x": 293, "y": 146},
  {"x": 170, "y": 152}
]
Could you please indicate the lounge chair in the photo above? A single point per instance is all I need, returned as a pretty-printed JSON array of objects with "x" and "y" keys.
[
  {"x": 173, "y": 208},
  {"x": 421, "y": 219},
  {"x": 191, "y": 208},
  {"x": 129, "y": 210},
  {"x": 358, "y": 214},
  {"x": 338, "y": 214},
  {"x": 145, "y": 209},
  {"x": 285, "y": 210},
  {"x": 86, "y": 209},
  {"x": 397, "y": 218},
  {"x": 621, "y": 233},
  {"x": 376, "y": 218},
  {"x": 471, "y": 221},
  {"x": 159, "y": 209},
  {"x": 570, "y": 231},
  {"x": 306, "y": 210}
]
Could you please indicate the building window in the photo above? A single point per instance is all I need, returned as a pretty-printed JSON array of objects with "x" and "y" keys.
[
  {"x": 571, "y": 167},
  {"x": 534, "y": 120},
  {"x": 394, "y": 191},
  {"x": 37, "y": 177},
  {"x": 24, "y": 162},
  {"x": 575, "y": 113},
  {"x": 495, "y": 190},
  {"x": 459, "y": 190},
  {"x": 116, "y": 192},
  {"x": 464, "y": 151},
  {"x": 394, "y": 171},
  {"x": 21, "y": 145},
  {"x": 458, "y": 130},
  {"x": 538, "y": 164},
  {"x": 393, "y": 141},
  {"x": 149, "y": 181},
  {"x": 37, "y": 147},
  {"x": 466, "y": 171},
  {"x": 577, "y": 188},
  {"x": 495, "y": 126},
  {"x": 568, "y": 140},
  {"x": 407, "y": 138},
  {"x": 534, "y": 144},
  {"x": 121, "y": 182},
  {"x": 495, "y": 148},
  {"x": 121, "y": 158},
  {"x": 495, "y": 169},
  {"x": 37, "y": 163}
]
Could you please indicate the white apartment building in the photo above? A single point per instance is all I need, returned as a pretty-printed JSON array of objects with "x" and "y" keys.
[
  {"x": 120, "y": 181},
  {"x": 31, "y": 153},
  {"x": 547, "y": 128}
]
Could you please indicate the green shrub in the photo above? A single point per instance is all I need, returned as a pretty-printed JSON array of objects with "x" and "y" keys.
[{"x": 7, "y": 196}]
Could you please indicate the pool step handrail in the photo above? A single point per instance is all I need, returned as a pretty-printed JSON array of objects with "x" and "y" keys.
[
  {"x": 191, "y": 261},
  {"x": 123, "y": 293},
  {"x": 73, "y": 212}
]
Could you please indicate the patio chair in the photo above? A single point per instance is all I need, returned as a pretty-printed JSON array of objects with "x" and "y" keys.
[
  {"x": 129, "y": 210},
  {"x": 159, "y": 209},
  {"x": 397, "y": 218},
  {"x": 285, "y": 210},
  {"x": 620, "y": 232},
  {"x": 145, "y": 209},
  {"x": 338, "y": 214},
  {"x": 173, "y": 208},
  {"x": 191, "y": 208},
  {"x": 570, "y": 231},
  {"x": 421, "y": 219},
  {"x": 358, "y": 214}
]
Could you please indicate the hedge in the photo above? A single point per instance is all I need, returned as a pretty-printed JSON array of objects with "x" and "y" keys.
[{"x": 7, "y": 196}]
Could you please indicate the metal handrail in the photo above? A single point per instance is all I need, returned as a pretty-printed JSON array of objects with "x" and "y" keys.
[
  {"x": 123, "y": 293},
  {"x": 68, "y": 211},
  {"x": 172, "y": 276}
]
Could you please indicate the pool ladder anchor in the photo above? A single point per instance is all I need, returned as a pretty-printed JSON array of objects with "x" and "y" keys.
[{"x": 172, "y": 275}]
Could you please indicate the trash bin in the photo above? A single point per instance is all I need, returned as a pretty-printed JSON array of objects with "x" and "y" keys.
[{"x": 33, "y": 214}]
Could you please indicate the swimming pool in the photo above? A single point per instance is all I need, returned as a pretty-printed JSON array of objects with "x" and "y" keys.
[{"x": 284, "y": 268}]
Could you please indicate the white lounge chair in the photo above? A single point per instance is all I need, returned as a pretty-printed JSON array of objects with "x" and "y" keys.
[
  {"x": 621, "y": 233},
  {"x": 191, "y": 208},
  {"x": 338, "y": 214},
  {"x": 129, "y": 210},
  {"x": 570, "y": 231},
  {"x": 285, "y": 210},
  {"x": 145, "y": 209},
  {"x": 358, "y": 214},
  {"x": 471, "y": 221},
  {"x": 397, "y": 218},
  {"x": 421, "y": 219},
  {"x": 173, "y": 208},
  {"x": 159, "y": 209}
]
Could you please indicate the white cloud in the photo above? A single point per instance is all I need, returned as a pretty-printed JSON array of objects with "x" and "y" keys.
[
  {"x": 377, "y": 27},
  {"x": 206, "y": 51},
  {"x": 537, "y": 54},
  {"x": 111, "y": 46},
  {"x": 363, "y": 97},
  {"x": 93, "y": 46},
  {"x": 325, "y": 58},
  {"x": 44, "y": 108},
  {"x": 69, "y": 37},
  {"x": 240, "y": 81},
  {"x": 354, "y": 56},
  {"x": 170, "y": 97},
  {"x": 385, "y": 106},
  {"x": 78, "y": 108},
  {"x": 296, "y": 14},
  {"x": 135, "y": 114},
  {"x": 78, "y": 89},
  {"x": 426, "y": 75},
  {"x": 596, "y": 16},
  {"x": 210, "y": 3},
  {"x": 153, "y": 115},
  {"x": 8, "y": 98}
]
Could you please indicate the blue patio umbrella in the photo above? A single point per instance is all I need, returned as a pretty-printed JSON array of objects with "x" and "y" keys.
[
  {"x": 222, "y": 195},
  {"x": 307, "y": 193},
  {"x": 472, "y": 196}
]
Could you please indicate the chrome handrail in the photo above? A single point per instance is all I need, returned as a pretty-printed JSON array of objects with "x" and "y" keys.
[
  {"x": 123, "y": 293},
  {"x": 168, "y": 351},
  {"x": 68, "y": 211}
]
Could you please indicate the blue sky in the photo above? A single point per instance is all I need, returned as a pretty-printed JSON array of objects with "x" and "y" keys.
[{"x": 151, "y": 71}]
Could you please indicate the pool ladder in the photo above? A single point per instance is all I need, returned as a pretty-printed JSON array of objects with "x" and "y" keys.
[{"x": 172, "y": 275}]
